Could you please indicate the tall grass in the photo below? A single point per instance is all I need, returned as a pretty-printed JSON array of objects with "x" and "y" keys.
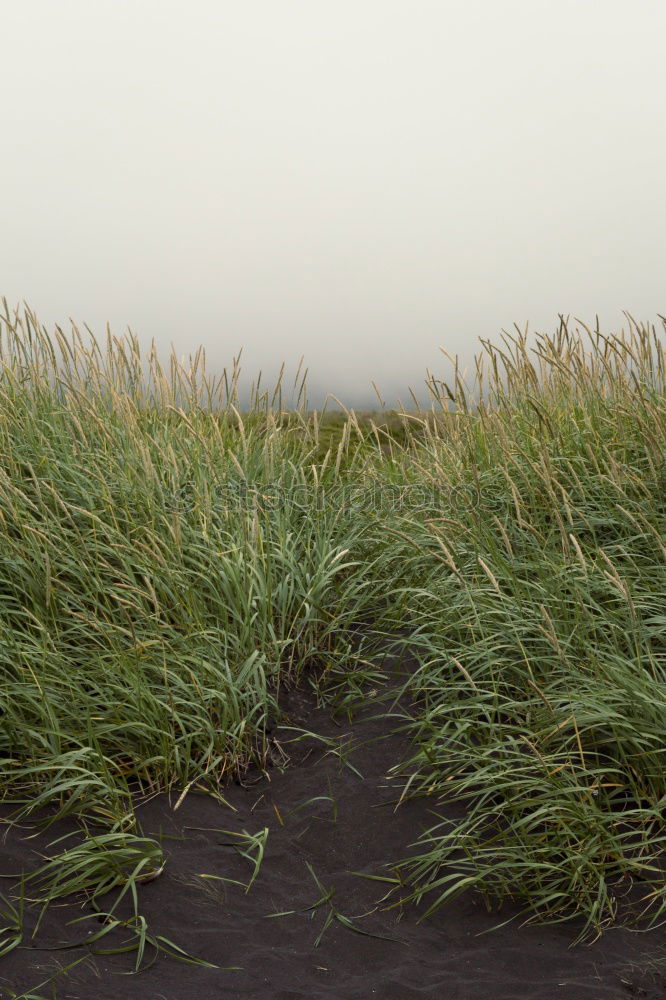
[
  {"x": 161, "y": 576},
  {"x": 541, "y": 636},
  {"x": 169, "y": 559}
]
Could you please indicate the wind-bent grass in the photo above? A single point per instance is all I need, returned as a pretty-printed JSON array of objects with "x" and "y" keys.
[
  {"x": 332, "y": 912},
  {"x": 540, "y": 637},
  {"x": 168, "y": 562},
  {"x": 251, "y": 846},
  {"x": 161, "y": 575}
]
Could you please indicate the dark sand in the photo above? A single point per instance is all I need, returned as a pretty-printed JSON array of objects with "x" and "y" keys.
[{"x": 277, "y": 958}]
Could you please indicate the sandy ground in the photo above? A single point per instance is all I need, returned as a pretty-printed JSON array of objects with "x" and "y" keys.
[{"x": 354, "y": 830}]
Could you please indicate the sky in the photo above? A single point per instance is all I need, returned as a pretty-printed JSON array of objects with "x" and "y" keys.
[{"x": 362, "y": 182}]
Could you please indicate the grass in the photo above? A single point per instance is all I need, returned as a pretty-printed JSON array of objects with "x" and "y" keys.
[
  {"x": 332, "y": 912},
  {"x": 250, "y": 846},
  {"x": 541, "y": 688},
  {"x": 168, "y": 563}
]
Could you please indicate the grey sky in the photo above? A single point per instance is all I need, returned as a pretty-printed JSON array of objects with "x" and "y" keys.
[{"x": 359, "y": 181}]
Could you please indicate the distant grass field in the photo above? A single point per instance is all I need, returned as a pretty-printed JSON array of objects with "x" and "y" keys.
[{"x": 167, "y": 562}]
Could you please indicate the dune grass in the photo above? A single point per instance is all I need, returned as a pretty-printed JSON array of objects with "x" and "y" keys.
[
  {"x": 168, "y": 562},
  {"x": 539, "y": 629}
]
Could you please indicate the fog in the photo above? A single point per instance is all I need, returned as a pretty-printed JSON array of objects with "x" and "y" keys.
[{"x": 361, "y": 182}]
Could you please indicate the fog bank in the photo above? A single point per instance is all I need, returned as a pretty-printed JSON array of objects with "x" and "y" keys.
[{"x": 359, "y": 182}]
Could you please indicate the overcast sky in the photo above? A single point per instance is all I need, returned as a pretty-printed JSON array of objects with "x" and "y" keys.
[{"x": 359, "y": 181}]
